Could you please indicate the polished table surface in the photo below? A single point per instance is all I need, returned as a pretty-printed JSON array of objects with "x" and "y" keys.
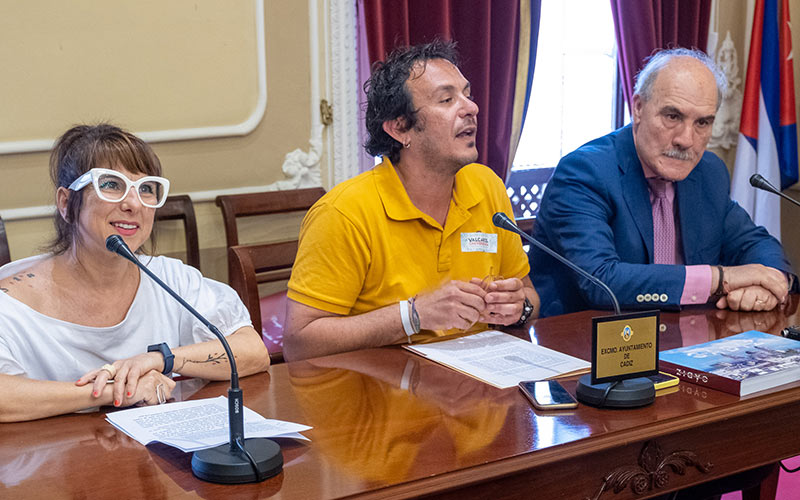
[{"x": 390, "y": 424}]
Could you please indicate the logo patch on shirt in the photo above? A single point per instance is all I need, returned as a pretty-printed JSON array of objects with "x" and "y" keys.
[{"x": 479, "y": 242}]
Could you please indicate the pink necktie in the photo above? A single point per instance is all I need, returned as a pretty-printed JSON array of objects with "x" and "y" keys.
[{"x": 663, "y": 224}]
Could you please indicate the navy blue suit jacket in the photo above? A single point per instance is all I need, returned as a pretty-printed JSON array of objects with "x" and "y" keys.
[{"x": 596, "y": 211}]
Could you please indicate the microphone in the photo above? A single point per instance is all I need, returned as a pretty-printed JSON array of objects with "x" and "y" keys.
[
  {"x": 503, "y": 221},
  {"x": 622, "y": 392},
  {"x": 759, "y": 182},
  {"x": 222, "y": 464}
]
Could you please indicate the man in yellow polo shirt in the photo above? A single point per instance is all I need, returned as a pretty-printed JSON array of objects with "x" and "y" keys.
[{"x": 407, "y": 251}]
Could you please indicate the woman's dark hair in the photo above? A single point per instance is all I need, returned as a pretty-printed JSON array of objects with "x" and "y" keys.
[
  {"x": 83, "y": 148},
  {"x": 388, "y": 97}
]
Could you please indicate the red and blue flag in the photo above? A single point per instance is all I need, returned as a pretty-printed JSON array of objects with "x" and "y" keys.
[{"x": 768, "y": 130}]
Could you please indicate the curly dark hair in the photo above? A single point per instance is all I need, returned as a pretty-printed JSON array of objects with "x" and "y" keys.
[
  {"x": 82, "y": 148},
  {"x": 388, "y": 97}
]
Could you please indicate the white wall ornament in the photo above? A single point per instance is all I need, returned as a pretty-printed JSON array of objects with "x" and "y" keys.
[
  {"x": 301, "y": 167},
  {"x": 338, "y": 31},
  {"x": 725, "y": 131}
]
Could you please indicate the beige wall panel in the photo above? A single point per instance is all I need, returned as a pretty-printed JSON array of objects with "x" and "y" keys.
[
  {"x": 149, "y": 65},
  {"x": 191, "y": 165}
]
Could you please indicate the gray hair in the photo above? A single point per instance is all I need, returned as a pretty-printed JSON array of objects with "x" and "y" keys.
[{"x": 656, "y": 62}]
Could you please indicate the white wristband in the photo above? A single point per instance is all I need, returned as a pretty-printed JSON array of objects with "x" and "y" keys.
[{"x": 406, "y": 319}]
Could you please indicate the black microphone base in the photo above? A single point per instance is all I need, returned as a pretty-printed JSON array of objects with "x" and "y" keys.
[
  {"x": 630, "y": 393},
  {"x": 221, "y": 465}
]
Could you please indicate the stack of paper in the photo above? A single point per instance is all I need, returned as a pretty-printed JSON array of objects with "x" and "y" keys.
[
  {"x": 196, "y": 425},
  {"x": 500, "y": 359}
]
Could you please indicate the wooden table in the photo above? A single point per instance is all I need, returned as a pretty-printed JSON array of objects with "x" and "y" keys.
[{"x": 389, "y": 424}]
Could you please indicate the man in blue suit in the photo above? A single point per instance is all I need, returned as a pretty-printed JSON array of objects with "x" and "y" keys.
[{"x": 647, "y": 209}]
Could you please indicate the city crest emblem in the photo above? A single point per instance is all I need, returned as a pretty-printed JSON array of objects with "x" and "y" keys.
[{"x": 627, "y": 333}]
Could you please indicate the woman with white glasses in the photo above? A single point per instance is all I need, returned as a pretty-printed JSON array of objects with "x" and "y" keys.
[{"x": 82, "y": 327}]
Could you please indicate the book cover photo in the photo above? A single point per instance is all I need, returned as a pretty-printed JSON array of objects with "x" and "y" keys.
[{"x": 740, "y": 364}]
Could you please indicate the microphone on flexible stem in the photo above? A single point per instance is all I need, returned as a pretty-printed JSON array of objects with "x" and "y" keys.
[
  {"x": 761, "y": 183},
  {"x": 623, "y": 393},
  {"x": 503, "y": 221},
  {"x": 241, "y": 460}
]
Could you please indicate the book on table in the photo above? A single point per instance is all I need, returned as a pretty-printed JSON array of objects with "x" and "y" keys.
[{"x": 740, "y": 364}]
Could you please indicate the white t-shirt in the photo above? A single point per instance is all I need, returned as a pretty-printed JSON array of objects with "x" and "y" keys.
[{"x": 40, "y": 347}]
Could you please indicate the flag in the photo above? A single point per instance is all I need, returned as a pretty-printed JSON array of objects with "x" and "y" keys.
[{"x": 768, "y": 131}]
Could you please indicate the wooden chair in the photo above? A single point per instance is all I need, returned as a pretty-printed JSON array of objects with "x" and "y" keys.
[
  {"x": 269, "y": 202},
  {"x": 268, "y": 312},
  {"x": 264, "y": 263},
  {"x": 5, "y": 256},
  {"x": 527, "y": 225},
  {"x": 180, "y": 207}
]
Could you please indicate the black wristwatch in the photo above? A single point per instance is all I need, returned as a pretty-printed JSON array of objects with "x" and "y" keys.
[
  {"x": 527, "y": 310},
  {"x": 169, "y": 358}
]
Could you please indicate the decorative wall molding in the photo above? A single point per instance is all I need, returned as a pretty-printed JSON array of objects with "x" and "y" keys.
[
  {"x": 725, "y": 130},
  {"x": 303, "y": 167},
  {"x": 342, "y": 71},
  {"x": 239, "y": 129}
]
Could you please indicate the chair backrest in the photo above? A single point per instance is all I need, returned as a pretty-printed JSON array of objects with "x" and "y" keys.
[
  {"x": 527, "y": 225},
  {"x": 263, "y": 263},
  {"x": 180, "y": 207},
  {"x": 5, "y": 256},
  {"x": 269, "y": 202}
]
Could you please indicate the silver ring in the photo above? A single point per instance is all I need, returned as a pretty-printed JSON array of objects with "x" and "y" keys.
[{"x": 160, "y": 394}]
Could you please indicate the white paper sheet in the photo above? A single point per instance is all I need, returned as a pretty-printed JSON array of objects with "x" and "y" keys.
[
  {"x": 195, "y": 425},
  {"x": 500, "y": 359}
]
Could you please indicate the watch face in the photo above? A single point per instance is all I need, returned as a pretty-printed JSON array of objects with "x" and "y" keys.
[{"x": 527, "y": 310}]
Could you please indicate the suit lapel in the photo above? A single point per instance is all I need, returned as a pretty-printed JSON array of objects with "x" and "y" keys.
[{"x": 635, "y": 190}]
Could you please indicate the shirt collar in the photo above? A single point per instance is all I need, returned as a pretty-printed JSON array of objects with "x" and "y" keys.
[{"x": 398, "y": 205}]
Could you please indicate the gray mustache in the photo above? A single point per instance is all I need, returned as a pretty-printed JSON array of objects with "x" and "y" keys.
[{"x": 678, "y": 154}]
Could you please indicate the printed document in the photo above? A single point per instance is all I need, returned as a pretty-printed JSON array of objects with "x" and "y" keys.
[
  {"x": 500, "y": 359},
  {"x": 195, "y": 425}
]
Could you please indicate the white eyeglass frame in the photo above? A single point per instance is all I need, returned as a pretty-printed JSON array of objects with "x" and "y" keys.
[{"x": 93, "y": 175}]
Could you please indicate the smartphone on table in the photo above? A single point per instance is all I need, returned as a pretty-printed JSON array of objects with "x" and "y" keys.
[
  {"x": 791, "y": 332},
  {"x": 663, "y": 380},
  {"x": 547, "y": 395}
]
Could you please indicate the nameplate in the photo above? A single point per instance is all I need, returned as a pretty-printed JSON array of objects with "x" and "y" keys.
[
  {"x": 624, "y": 346},
  {"x": 479, "y": 242}
]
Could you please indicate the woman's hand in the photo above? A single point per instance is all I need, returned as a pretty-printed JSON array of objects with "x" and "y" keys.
[
  {"x": 153, "y": 388},
  {"x": 126, "y": 379}
]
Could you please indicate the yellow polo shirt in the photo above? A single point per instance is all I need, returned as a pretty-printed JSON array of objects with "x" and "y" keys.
[{"x": 364, "y": 245}]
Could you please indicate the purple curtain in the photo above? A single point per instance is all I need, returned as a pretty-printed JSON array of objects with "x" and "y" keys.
[
  {"x": 487, "y": 34},
  {"x": 642, "y": 26}
]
